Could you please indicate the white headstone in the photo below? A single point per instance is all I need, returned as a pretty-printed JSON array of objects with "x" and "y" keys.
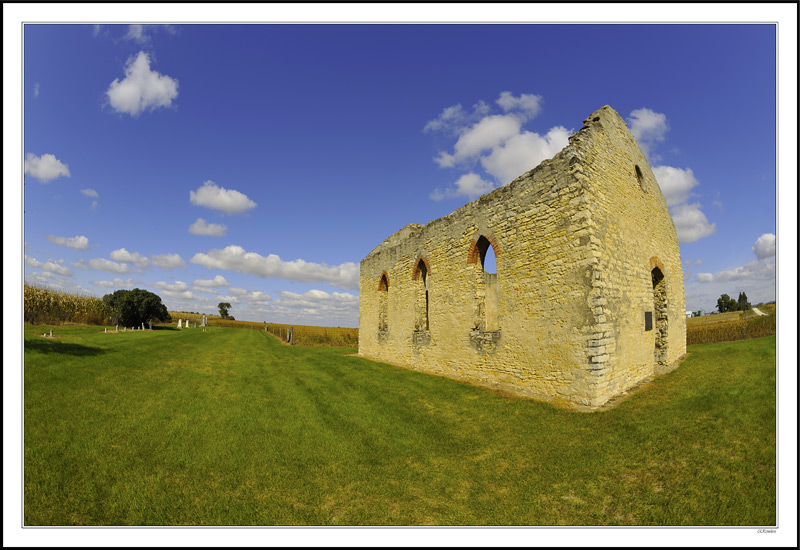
[
  {"x": 117, "y": 328},
  {"x": 51, "y": 333},
  {"x": 142, "y": 325},
  {"x": 106, "y": 331},
  {"x": 179, "y": 323},
  {"x": 150, "y": 324}
]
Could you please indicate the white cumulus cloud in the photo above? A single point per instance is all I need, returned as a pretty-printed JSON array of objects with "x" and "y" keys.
[
  {"x": 488, "y": 133},
  {"x": 690, "y": 223},
  {"x": 318, "y": 305},
  {"x": 200, "y": 227},
  {"x": 122, "y": 255},
  {"x": 648, "y": 127},
  {"x": 90, "y": 193},
  {"x": 528, "y": 104},
  {"x": 142, "y": 88},
  {"x": 523, "y": 152},
  {"x": 450, "y": 116},
  {"x": 167, "y": 261},
  {"x": 676, "y": 183},
  {"x": 469, "y": 185},
  {"x": 765, "y": 246},
  {"x": 259, "y": 297},
  {"x": 498, "y": 141},
  {"x": 757, "y": 269},
  {"x": 235, "y": 258},
  {"x": 45, "y": 168},
  {"x": 116, "y": 283},
  {"x": 101, "y": 264},
  {"x": 78, "y": 242},
  {"x": 213, "y": 196},
  {"x": 142, "y": 33},
  {"x": 49, "y": 266},
  {"x": 217, "y": 281},
  {"x": 178, "y": 286},
  {"x": 136, "y": 33}
]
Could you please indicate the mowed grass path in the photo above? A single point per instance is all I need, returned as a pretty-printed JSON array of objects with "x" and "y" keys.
[{"x": 230, "y": 427}]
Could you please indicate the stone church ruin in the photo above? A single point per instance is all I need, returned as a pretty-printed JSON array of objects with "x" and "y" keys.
[{"x": 588, "y": 297}]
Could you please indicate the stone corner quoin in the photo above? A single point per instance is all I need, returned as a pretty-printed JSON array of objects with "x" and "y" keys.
[{"x": 588, "y": 297}]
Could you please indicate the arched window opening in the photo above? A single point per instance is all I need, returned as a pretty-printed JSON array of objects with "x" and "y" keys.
[
  {"x": 487, "y": 285},
  {"x": 487, "y": 255},
  {"x": 384, "y": 282},
  {"x": 421, "y": 276},
  {"x": 660, "y": 315},
  {"x": 640, "y": 178},
  {"x": 383, "y": 303}
]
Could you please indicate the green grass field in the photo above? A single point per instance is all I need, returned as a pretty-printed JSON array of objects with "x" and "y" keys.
[{"x": 229, "y": 427}]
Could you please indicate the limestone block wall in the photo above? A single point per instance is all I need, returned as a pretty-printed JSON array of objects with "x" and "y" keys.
[
  {"x": 559, "y": 320},
  {"x": 633, "y": 236}
]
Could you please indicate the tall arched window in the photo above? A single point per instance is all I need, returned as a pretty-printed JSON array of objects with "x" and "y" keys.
[
  {"x": 383, "y": 303},
  {"x": 483, "y": 253},
  {"x": 660, "y": 315},
  {"x": 420, "y": 275}
]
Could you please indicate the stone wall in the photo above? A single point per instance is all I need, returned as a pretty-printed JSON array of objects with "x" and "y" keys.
[{"x": 563, "y": 318}]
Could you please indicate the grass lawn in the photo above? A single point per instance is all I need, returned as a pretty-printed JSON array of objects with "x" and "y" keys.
[{"x": 230, "y": 427}]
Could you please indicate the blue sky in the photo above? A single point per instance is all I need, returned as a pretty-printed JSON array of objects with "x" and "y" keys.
[{"x": 258, "y": 164}]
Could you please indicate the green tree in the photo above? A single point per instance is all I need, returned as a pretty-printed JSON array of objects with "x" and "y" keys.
[
  {"x": 223, "y": 309},
  {"x": 744, "y": 305},
  {"x": 726, "y": 303},
  {"x": 137, "y": 306}
]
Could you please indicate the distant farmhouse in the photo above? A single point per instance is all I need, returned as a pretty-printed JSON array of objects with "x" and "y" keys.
[{"x": 588, "y": 297}]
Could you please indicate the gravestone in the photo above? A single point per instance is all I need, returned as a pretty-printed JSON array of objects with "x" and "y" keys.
[
  {"x": 150, "y": 324},
  {"x": 106, "y": 331},
  {"x": 179, "y": 323},
  {"x": 117, "y": 328}
]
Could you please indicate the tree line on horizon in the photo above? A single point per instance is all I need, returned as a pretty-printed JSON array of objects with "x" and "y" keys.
[{"x": 725, "y": 303}]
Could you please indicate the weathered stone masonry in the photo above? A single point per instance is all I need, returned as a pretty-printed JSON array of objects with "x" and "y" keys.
[{"x": 588, "y": 296}]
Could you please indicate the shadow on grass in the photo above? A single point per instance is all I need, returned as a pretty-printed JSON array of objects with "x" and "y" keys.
[{"x": 62, "y": 348}]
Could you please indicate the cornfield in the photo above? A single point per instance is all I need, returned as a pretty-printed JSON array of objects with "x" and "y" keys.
[
  {"x": 738, "y": 327},
  {"x": 50, "y": 307},
  {"x": 303, "y": 335}
]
